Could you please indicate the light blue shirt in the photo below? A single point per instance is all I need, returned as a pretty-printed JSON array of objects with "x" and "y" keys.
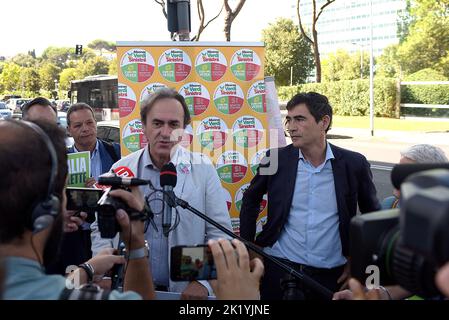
[
  {"x": 156, "y": 239},
  {"x": 95, "y": 162},
  {"x": 311, "y": 235},
  {"x": 26, "y": 280}
]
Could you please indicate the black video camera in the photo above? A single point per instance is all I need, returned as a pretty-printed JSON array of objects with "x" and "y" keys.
[
  {"x": 107, "y": 206},
  {"x": 405, "y": 246}
]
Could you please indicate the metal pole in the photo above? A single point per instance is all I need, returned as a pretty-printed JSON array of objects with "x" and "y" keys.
[
  {"x": 371, "y": 74},
  {"x": 291, "y": 75}
]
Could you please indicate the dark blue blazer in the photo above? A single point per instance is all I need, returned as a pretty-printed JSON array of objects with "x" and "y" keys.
[
  {"x": 106, "y": 159},
  {"x": 353, "y": 184}
]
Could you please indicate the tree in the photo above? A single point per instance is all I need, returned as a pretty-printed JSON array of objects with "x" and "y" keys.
[
  {"x": 202, "y": 18},
  {"x": 30, "y": 80},
  {"x": 48, "y": 73},
  {"x": 230, "y": 15},
  {"x": 57, "y": 56},
  {"x": 113, "y": 67},
  {"x": 285, "y": 48},
  {"x": 427, "y": 43},
  {"x": 344, "y": 66},
  {"x": 405, "y": 20},
  {"x": 10, "y": 77},
  {"x": 94, "y": 66},
  {"x": 24, "y": 60},
  {"x": 314, "y": 39},
  {"x": 100, "y": 44},
  {"x": 424, "y": 41},
  {"x": 388, "y": 63},
  {"x": 66, "y": 76}
]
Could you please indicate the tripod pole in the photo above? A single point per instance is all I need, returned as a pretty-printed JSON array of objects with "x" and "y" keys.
[{"x": 309, "y": 282}]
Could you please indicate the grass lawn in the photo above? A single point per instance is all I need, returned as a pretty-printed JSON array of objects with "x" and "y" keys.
[{"x": 391, "y": 124}]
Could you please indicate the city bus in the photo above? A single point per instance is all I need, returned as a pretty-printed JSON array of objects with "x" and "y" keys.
[{"x": 100, "y": 92}]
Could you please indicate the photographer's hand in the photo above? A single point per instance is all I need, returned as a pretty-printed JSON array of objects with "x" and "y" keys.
[
  {"x": 237, "y": 277},
  {"x": 104, "y": 261},
  {"x": 138, "y": 276},
  {"x": 71, "y": 222},
  {"x": 133, "y": 237}
]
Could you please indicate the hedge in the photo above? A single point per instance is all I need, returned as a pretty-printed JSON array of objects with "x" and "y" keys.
[{"x": 351, "y": 97}]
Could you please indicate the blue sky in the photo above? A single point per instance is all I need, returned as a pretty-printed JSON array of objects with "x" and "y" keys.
[{"x": 37, "y": 24}]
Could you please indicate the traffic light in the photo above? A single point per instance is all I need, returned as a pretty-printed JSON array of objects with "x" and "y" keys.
[
  {"x": 78, "y": 49},
  {"x": 178, "y": 17}
]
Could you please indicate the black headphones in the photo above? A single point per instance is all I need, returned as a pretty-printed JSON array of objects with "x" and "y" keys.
[{"x": 45, "y": 212}]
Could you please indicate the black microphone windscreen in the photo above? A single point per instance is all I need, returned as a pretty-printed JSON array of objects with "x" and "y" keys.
[
  {"x": 401, "y": 172},
  {"x": 168, "y": 175}
]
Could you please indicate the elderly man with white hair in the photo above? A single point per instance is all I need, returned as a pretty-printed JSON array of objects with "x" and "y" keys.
[{"x": 419, "y": 153}]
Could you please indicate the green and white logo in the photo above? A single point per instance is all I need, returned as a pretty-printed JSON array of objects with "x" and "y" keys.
[
  {"x": 137, "y": 65},
  {"x": 231, "y": 166}
]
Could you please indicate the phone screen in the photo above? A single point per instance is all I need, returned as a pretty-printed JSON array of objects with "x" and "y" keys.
[
  {"x": 189, "y": 263},
  {"x": 83, "y": 199}
]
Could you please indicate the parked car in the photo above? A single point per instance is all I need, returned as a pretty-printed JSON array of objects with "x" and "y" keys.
[
  {"x": 15, "y": 104},
  {"x": 5, "y": 112},
  {"x": 62, "y": 122},
  {"x": 109, "y": 130}
]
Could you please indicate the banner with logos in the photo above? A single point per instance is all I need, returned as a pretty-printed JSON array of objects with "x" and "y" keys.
[{"x": 223, "y": 85}]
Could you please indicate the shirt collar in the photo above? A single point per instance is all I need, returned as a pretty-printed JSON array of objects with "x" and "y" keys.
[
  {"x": 92, "y": 153},
  {"x": 329, "y": 153},
  {"x": 177, "y": 158}
]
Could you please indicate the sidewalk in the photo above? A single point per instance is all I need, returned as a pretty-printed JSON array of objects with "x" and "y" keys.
[
  {"x": 411, "y": 137},
  {"x": 385, "y": 146}
]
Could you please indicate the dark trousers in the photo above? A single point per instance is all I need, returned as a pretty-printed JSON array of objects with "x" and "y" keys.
[{"x": 271, "y": 282}]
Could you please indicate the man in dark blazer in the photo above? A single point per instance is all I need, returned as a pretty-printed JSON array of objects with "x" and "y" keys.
[
  {"x": 312, "y": 196},
  {"x": 81, "y": 124}
]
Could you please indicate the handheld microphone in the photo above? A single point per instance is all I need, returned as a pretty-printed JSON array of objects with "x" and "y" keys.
[
  {"x": 401, "y": 172},
  {"x": 119, "y": 181},
  {"x": 168, "y": 182}
]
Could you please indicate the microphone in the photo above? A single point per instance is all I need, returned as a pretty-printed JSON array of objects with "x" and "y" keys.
[
  {"x": 168, "y": 182},
  {"x": 401, "y": 172},
  {"x": 119, "y": 181}
]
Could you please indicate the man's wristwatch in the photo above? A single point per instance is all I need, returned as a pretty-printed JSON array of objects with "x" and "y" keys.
[
  {"x": 143, "y": 252},
  {"x": 89, "y": 270}
]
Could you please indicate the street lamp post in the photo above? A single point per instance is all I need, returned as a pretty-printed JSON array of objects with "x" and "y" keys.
[{"x": 371, "y": 73}]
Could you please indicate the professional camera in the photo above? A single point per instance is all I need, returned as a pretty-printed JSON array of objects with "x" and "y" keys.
[
  {"x": 405, "y": 246},
  {"x": 107, "y": 206}
]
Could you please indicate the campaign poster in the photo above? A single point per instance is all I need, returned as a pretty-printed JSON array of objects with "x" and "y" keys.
[
  {"x": 79, "y": 168},
  {"x": 224, "y": 89}
]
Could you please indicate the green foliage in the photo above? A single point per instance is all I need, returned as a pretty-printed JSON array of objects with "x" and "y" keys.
[
  {"x": 66, "y": 76},
  {"x": 24, "y": 60},
  {"x": 424, "y": 40},
  {"x": 343, "y": 66},
  {"x": 30, "y": 80},
  {"x": 426, "y": 94},
  {"x": 286, "y": 48},
  {"x": 100, "y": 44},
  {"x": 10, "y": 77},
  {"x": 113, "y": 67},
  {"x": 387, "y": 64},
  {"x": 351, "y": 97},
  {"x": 58, "y": 56},
  {"x": 48, "y": 74},
  {"x": 93, "y": 66}
]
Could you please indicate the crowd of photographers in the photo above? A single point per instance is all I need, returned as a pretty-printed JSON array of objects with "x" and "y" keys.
[{"x": 35, "y": 225}]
